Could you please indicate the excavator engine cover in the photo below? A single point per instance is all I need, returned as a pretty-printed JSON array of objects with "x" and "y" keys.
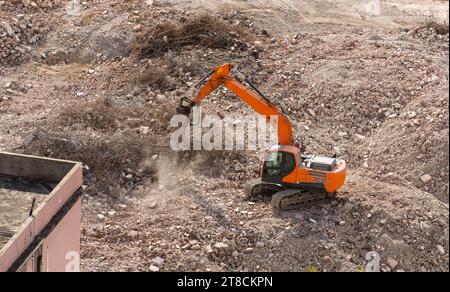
[{"x": 323, "y": 163}]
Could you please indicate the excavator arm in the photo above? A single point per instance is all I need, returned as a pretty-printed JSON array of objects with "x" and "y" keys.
[{"x": 222, "y": 75}]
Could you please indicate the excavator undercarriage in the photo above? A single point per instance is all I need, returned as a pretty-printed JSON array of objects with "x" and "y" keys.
[{"x": 285, "y": 198}]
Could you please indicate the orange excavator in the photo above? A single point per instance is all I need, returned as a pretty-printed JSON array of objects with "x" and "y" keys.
[{"x": 288, "y": 175}]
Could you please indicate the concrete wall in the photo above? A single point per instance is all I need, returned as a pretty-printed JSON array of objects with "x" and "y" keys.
[{"x": 34, "y": 167}]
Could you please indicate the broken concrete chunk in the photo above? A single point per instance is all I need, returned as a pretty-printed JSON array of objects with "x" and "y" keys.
[
  {"x": 343, "y": 134},
  {"x": 392, "y": 263},
  {"x": 426, "y": 178},
  {"x": 311, "y": 113},
  {"x": 158, "y": 261},
  {"x": 221, "y": 245},
  {"x": 8, "y": 29},
  {"x": 441, "y": 249}
]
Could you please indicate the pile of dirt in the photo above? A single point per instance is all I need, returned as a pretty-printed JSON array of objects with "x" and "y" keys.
[
  {"x": 31, "y": 5},
  {"x": 17, "y": 36},
  {"x": 23, "y": 25},
  {"x": 205, "y": 31},
  {"x": 414, "y": 146}
]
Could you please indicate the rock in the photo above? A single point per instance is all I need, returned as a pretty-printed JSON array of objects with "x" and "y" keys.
[
  {"x": 90, "y": 71},
  {"x": 153, "y": 205},
  {"x": 221, "y": 245},
  {"x": 347, "y": 266},
  {"x": 426, "y": 178},
  {"x": 137, "y": 27},
  {"x": 209, "y": 249},
  {"x": 133, "y": 234},
  {"x": 11, "y": 92},
  {"x": 122, "y": 206},
  {"x": 374, "y": 37},
  {"x": 158, "y": 261},
  {"x": 347, "y": 207},
  {"x": 441, "y": 249},
  {"x": 161, "y": 98},
  {"x": 28, "y": 139},
  {"x": 144, "y": 130},
  {"x": 153, "y": 268},
  {"x": 111, "y": 213},
  {"x": 311, "y": 112},
  {"x": 342, "y": 134},
  {"x": 312, "y": 220},
  {"x": 298, "y": 216},
  {"x": 8, "y": 29},
  {"x": 260, "y": 244},
  {"x": 392, "y": 263},
  {"x": 100, "y": 216}
]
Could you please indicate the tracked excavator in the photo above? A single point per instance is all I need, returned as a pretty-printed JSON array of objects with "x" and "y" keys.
[{"x": 289, "y": 176}]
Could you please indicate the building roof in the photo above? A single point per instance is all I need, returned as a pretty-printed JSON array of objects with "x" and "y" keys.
[
  {"x": 16, "y": 200},
  {"x": 52, "y": 182}
]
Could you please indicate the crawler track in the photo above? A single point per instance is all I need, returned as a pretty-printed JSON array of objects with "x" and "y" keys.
[{"x": 284, "y": 198}]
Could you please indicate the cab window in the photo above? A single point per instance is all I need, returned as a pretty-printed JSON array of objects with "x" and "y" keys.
[
  {"x": 289, "y": 164},
  {"x": 279, "y": 163},
  {"x": 299, "y": 159},
  {"x": 273, "y": 163}
]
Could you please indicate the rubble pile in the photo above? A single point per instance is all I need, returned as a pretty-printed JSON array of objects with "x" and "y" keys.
[
  {"x": 107, "y": 80},
  {"x": 18, "y": 35},
  {"x": 23, "y": 25},
  {"x": 30, "y": 5}
]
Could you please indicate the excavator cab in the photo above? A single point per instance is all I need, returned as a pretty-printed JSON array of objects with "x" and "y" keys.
[{"x": 277, "y": 165}]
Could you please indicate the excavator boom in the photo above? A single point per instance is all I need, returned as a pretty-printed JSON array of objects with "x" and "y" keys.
[{"x": 222, "y": 76}]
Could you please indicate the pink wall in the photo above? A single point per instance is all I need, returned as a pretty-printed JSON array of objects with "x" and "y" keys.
[{"x": 61, "y": 249}]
